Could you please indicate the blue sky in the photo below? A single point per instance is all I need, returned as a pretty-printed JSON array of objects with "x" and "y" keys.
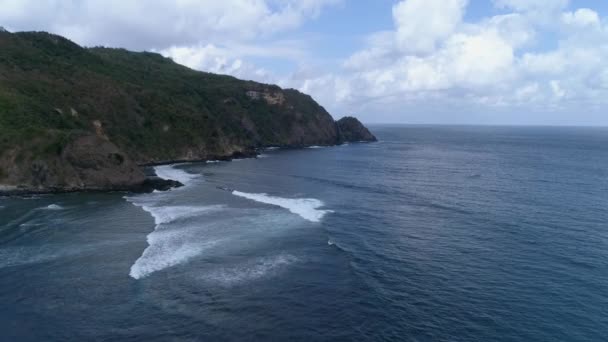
[{"x": 406, "y": 61}]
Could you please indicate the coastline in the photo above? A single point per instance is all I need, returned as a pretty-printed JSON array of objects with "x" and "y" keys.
[{"x": 153, "y": 182}]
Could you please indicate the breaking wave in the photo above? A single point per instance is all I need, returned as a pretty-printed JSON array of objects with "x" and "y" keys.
[
  {"x": 168, "y": 244},
  {"x": 307, "y": 208},
  {"x": 166, "y": 248},
  {"x": 53, "y": 207},
  {"x": 170, "y": 214},
  {"x": 169, "y": 172}
]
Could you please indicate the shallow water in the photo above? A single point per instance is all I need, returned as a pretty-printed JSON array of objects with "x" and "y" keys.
[{"x": 432, "y": 234}]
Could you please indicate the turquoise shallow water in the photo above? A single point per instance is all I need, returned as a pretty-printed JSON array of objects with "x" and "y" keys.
[{"x": 432, "y": 234}]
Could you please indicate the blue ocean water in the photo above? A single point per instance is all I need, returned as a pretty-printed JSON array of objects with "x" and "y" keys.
[{"x": 432, "y": 234}]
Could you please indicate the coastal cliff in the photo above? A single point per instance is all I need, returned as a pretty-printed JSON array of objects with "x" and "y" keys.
[{"x": 74, "y": 118}]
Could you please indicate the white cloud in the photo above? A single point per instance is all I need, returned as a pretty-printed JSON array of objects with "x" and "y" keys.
[
  {"x": 584, "y": 17},
  {"x": 533, "y": 5},
  {"x": 159, "y": 24},
  {"x": 557, "y": 89},
  {"x": 492, "y": 63},
  {"x": 421, "y": 24}
]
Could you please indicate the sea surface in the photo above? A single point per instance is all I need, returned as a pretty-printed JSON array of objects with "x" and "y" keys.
[{"x": 435, "y": 233}]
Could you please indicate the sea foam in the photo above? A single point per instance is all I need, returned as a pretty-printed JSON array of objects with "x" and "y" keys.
[
  {"x": 257, "y": 268},
  {"x": 307, "y": 208},
  {"x": 169, "y": 172},
  {"x": 167, "y": 248},
  {"x": 170, "y": 243},
  {"x": 53, "y": 207},
  {"x": 170, "y": 214}
]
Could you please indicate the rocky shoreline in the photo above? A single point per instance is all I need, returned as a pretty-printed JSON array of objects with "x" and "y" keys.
[{"x": 151, "y": 182}]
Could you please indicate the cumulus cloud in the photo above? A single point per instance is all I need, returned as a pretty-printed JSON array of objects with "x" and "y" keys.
[
  {"x": 435, "y": 58},
  {"x": 421, "y": 24},
  {"x": 159, "y": 24}
]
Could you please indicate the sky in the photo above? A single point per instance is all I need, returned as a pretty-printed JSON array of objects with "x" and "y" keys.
[{"x": 514, "y": 62}]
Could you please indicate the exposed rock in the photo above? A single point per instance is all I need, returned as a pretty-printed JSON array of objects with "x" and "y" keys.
[
  {"x": 87, "y": 162},
  {"x": 155, "y": 183},
  {"x": 254, "y": 95},
  {"x": 99, "y": 129},
  {"x": 98, "y": 163},
  {"x": 276, "y": 98}
]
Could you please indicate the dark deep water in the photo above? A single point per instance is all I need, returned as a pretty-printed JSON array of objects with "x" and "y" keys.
[{"x": 432, "y": 234}]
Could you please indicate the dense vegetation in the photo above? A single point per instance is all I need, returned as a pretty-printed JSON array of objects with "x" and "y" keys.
[{"x": 52, "y": 91}]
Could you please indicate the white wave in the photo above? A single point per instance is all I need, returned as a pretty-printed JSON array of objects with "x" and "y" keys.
[
  {"x": 263, "y": 155},
  {"x": 53, "y": 207},
  {"x": 315, "y": 147},
  {"x": 213, "y": 161},
  {"x": 167, "y": 249},
  {"x": 172, "y": 173},
  {"x": 307, "y": 208},
  {"x": 170, "y": 245},
  {"x": 173, "y": 213},
  {"x": 330, "y": 243},
  {"x": 271, "y": 148},
  {"x": 256, "y": 269}
]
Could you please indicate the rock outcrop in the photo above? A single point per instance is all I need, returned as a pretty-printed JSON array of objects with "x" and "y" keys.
[
  {"x": 74, "y": 118},
  {"x": 350, "y": 129}
]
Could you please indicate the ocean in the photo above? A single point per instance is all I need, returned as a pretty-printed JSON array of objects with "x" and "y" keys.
[{"x": 435, "y": 233}]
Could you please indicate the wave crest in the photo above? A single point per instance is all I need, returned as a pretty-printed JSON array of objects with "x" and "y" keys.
[
  {"x": 307, "y": 208},
  {"x": 169, "y": 172}
]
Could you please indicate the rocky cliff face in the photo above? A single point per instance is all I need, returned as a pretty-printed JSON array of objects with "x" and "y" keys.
[
  {"x": 75, "y": 118},
  {"x": 87, "y": 162}
]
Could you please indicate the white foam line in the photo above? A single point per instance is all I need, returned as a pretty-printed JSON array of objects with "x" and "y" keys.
[
  {"x": 167, "y": 249},
  {"x": 307, "y": 208},
  {"x": 170, "y": 214},
  {"x": 169, "y": 172},
  {"x": 53, "y": 207},
  {"x": 170, "y": 247}
]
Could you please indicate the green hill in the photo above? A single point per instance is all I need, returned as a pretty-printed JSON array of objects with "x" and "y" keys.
[{"x": 74, "y": 118}]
